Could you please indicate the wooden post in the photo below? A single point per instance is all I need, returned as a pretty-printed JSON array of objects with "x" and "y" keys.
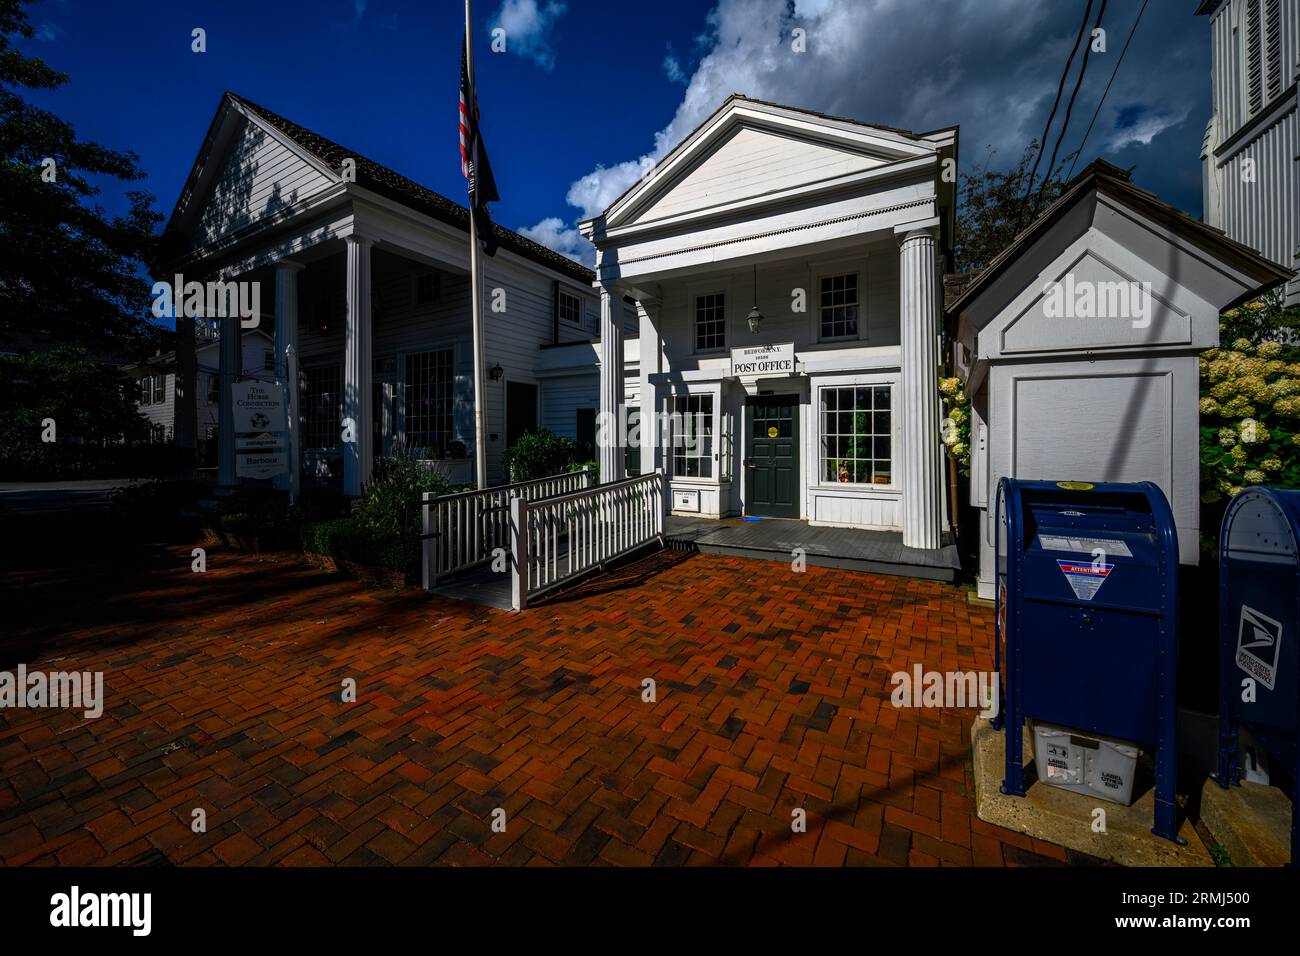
[
  {"x": 519, "y": 553},
  {"x": 426, "y": 559}
]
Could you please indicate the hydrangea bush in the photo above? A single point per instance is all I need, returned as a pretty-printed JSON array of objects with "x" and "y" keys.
[
  {"x": 956, "y": 421},
  {"x": 1250, "y": 418}
]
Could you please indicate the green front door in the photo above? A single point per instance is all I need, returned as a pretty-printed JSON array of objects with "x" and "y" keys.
[{"x": 772, "y": 468}]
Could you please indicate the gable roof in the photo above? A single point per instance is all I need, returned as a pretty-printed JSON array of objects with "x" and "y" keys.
[
  {"x": 392, "y": 185},
  {"x": 1113, "y": 181},
  {"x": 741, "y": 99}
]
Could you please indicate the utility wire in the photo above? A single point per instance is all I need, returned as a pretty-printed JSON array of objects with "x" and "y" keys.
[
  {"x": 1097, "y": 111},
  {"x": 1069, "y": 109},
  {"x": 1060, "y": 88}
]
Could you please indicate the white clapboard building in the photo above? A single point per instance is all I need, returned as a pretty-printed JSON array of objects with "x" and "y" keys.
[
  {"x": 785, "y": 269},
  {"x": 1251, "y": 156},
  {"x": 364, "y": 279}
]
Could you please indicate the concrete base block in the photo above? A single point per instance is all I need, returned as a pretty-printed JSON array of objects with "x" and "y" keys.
[
  {"x": 1067, "y": 819},
  {"x": 1252, "y": 822}
]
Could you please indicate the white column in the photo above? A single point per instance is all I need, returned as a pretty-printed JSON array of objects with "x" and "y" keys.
[
  {"x": 922, "y": 463},
  {"x": 286, "y": 343},
  {"x": 611, "y": 386},
  {"x": 229, "y": 366},
  {"x": 356, "y": 368},
  {"x": 651, "y": 360}
]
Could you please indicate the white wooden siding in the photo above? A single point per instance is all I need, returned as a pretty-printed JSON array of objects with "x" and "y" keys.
[
  {"x": 259, "y": 177},
  {"x": 752, "y": 162}
]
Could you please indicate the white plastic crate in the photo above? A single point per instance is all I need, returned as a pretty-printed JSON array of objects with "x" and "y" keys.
[{"x": 1084, "y": 763}]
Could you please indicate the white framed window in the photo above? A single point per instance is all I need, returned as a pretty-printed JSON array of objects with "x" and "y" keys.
[
  {"x": 837, "y": 306},
  {"x": 857, "y": 435},
  {"x": 268, "y": 360},
  {"x": 428, "y": 401},
  {"x": 426, "y": 288},
  {"x": 159, "y": 389},
  {"x": 569, "y": 307},
  {"x": 214, "y": 389},
  {"x": 146, "y": 390},
  {"x": 323, "y": 406},
  {"x": 691, "y": 440},
  {"x": 711, "y": 322}
]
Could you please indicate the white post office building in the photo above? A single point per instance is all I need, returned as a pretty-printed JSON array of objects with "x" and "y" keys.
[{"x": 785, "y": 268}]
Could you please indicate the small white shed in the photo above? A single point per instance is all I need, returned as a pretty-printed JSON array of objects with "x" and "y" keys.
[{"x": 1080, "y": 344}]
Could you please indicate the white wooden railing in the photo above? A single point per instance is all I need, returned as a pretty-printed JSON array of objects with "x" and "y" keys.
[
  {"x": 554, "y": 540},
  {"x": 464, "y": 529}
]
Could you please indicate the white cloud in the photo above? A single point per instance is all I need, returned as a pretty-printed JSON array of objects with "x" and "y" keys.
[
  {"x": 673, "y": 68},
  {"x": 48, "y": 32},
  {"x": 1144, "y": 130},
  {"x": 554, "y": 233},
  {"x": 989, "y": 65},
  {"x": 527, "y": 27}
]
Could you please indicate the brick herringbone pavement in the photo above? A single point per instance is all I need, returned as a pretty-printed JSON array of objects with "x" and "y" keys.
[{"x": 224, "y": 695}]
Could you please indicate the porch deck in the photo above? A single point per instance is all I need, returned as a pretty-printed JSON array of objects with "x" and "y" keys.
[{"x": 774, "y": 539}]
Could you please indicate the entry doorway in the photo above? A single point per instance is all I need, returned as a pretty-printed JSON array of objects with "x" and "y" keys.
[
  {"x": 383, "y": 397},
  {"x": 521, "y": 411},
  {"x": 772, "y": 467}
]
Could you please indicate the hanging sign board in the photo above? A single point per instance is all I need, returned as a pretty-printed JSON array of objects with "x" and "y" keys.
[
  {"x": 763, "y": 360},
  {"x": 261, "y": 425}
]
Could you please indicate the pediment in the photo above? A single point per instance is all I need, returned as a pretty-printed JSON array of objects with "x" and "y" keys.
[
  {"x": 750, "y": 150},
  {"x": 246, "y": 173},
  {"x": 1088, "y": 300}
]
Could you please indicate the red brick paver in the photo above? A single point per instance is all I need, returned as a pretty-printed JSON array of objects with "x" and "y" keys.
[{"x": 224, "y": 695}]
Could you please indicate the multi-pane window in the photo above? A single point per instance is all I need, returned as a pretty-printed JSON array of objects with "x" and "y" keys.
[
  {"x": 428, "y": 401},
  {"x": 146, "y": 390},
  {"x": 426, "y": 288},
  {"x": 570, "y": 307},
  {"x": 710, "y": 322},
  {"x": 159, "y": 389},
  {"x": 839, "y": 306},
  {"x": 214, "y": 389},
  {"x": 691, "y": 417},
  {"x": 323, "y": 406},
  {"x": 268, "y": 360},
  {"x": 857, "y": 431}
]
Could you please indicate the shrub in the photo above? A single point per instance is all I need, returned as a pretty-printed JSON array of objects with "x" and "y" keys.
[
  {"x": 593, "y": 466},
  {"x": 389, "y": 512},
  {"x": 539, "y": 455},
  {"x": 1250, "y": 418}
]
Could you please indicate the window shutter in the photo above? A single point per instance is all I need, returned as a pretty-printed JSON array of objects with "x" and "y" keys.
[
  {"x": 1254, "y": 60},
  {"x": 1273, "y": 48}
]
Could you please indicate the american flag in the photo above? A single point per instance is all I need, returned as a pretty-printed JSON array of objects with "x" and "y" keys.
[{"x": 474, "y": 164}]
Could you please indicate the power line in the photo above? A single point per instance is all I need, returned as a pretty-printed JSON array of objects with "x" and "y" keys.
[
  {"x": 1069, "y": 109},
  {"x": 1060, "y": 88},
  {"x": 1097, "y": 111}
]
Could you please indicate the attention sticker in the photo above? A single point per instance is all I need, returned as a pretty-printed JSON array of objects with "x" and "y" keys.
[{"x": 1085, "y": 579}]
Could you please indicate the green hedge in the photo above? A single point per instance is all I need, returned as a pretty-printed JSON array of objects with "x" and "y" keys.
[{"x": 348, "y": 539}]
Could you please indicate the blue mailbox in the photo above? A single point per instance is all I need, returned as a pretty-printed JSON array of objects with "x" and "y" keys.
[
  {"x": 1259, "y": 607},
  {"x": 1087, "y": 618}
]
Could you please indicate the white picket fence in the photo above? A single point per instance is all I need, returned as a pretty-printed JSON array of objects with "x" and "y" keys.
[
  {"x": 463, "y": 530},
  {"x": 556, "y": 539}
]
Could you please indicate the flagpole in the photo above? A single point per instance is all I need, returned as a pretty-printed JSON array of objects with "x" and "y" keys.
[{"x": 480, "y": 443}]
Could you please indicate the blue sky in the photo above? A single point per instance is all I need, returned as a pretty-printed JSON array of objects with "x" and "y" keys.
[{"x": 587, "y": 94}]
